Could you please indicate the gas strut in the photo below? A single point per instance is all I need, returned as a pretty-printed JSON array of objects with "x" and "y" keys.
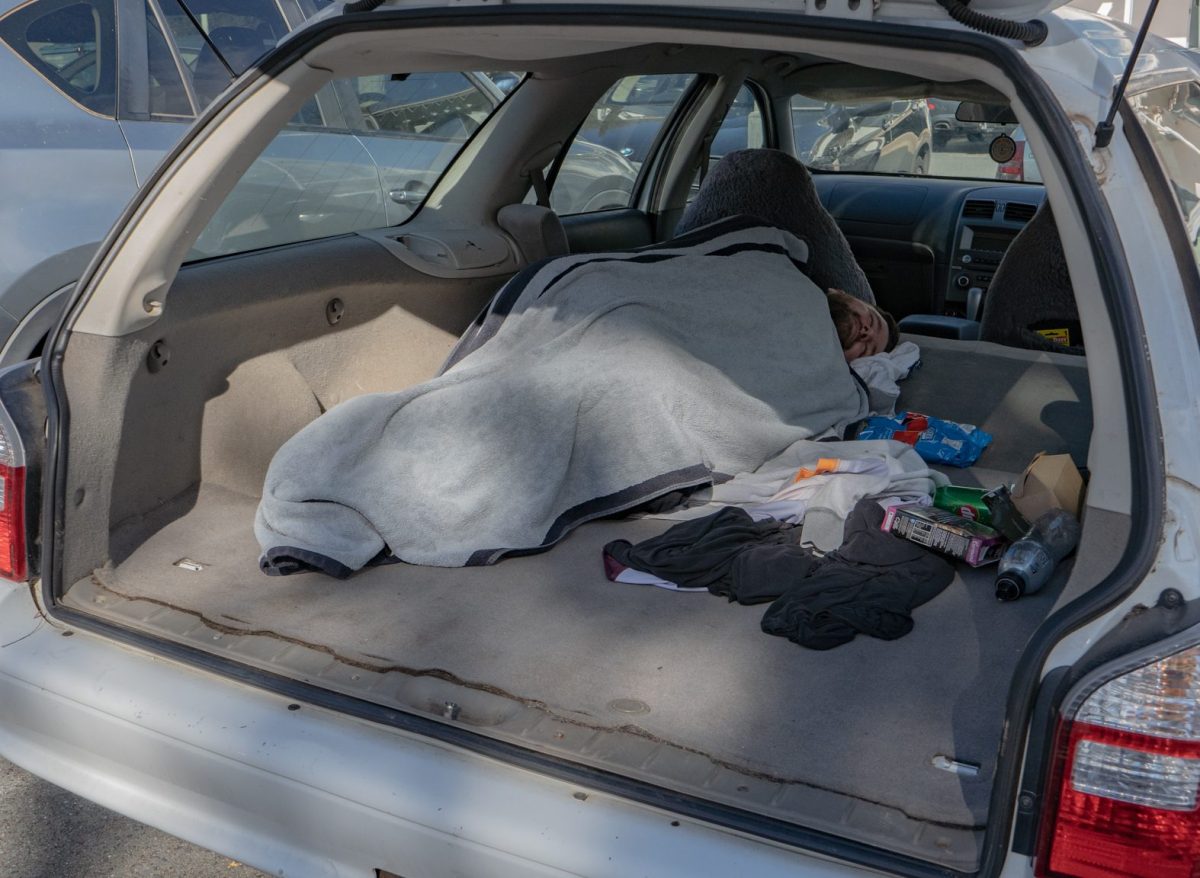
[{"x": 1104, "y": 131}]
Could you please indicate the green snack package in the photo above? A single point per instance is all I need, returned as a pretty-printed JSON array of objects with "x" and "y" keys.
[{"x": 967, "y": 502}]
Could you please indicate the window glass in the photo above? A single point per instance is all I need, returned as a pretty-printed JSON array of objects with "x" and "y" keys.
[
  {"x": 902, "y": 136},
  {"x": 1170, "y": 116},
  {"x": 742, "y": 128},
  {"x": 208, "y": 65},
  {"x": 314, "y": 183},
  {"x": 602, "y": 162},
  {"x": 72, "y": 44},
  {"x": 235, "y": 34},
  {"x": 168, "y": 97},
  {"x": 449, "y": 106}
]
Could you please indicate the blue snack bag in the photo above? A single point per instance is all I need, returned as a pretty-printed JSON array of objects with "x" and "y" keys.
[{"x": 937, "y": 441}]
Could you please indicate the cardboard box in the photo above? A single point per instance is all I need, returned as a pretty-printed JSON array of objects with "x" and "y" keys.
[
  {"x": 946, "y": 532},
  {"x": 1051, "y": 481}
]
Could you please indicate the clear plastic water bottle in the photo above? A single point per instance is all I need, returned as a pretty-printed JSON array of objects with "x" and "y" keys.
[{"x": 1026, "y": 565}]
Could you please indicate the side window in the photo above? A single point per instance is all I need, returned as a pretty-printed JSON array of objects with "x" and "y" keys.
[
  {"x": 232, "y": 37},
  {"x": 315, "y": 183},
  {"x": 72, "y": 44},
  {"x": 742, "y": 128},
  {"x": 448, "y": 106},
  {"x": 168, "y": 97},
  {"x": 603, "y": 161},
  {"x": 1170, "y": 116}
]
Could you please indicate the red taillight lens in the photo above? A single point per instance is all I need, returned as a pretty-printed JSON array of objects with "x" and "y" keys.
[
  {"x": 1127, "y": 778},
  {"x": 12, "y": 523},
  {"x": 1014, "y": 168}
]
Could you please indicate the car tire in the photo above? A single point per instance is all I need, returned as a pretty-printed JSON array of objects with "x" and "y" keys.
[{"x": 609, "y": 194}]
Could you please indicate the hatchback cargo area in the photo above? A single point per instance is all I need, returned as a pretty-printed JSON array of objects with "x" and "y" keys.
[{"x": 890, "y": 743}]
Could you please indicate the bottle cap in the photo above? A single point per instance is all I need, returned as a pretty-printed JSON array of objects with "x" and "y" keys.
[{"x": 1009, "y": 586}]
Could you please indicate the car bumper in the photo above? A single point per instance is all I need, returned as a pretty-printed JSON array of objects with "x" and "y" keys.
[{"x": 300, "y": 790}]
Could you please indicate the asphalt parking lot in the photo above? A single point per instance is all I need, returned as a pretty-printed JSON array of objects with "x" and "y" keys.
[{"x": 46, "y": 832}]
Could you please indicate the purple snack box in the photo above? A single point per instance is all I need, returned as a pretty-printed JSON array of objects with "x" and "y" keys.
[{"x": 959, "y": 537}]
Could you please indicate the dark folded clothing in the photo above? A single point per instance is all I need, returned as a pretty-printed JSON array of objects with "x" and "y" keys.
[
  {"x": 700, "y": 553},
  {"x": 869, "y": 586}
]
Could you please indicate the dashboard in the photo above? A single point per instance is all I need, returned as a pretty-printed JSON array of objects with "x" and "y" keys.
[{"x": 926, "y": 243}]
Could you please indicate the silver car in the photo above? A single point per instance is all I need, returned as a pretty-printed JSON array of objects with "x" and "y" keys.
[{"x": 97, "y": 92}]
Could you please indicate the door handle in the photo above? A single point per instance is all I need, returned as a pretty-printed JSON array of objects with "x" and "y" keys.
[{"x": 411, "y": 195}]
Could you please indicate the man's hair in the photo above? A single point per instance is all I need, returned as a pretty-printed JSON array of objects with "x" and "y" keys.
[{"x": 842, "y": 312}]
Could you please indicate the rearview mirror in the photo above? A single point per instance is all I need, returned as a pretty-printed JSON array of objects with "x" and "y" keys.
[{"x": 994, "y": 114}]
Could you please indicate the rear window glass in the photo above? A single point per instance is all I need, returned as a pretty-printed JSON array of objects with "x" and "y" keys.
[
  {"x": 401, "y": 131},
  {"x": 921, "y": 137},
  {"x": 72, "y": 44}
]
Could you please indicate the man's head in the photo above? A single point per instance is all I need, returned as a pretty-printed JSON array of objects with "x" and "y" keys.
[{"x": 862, "y": 329}]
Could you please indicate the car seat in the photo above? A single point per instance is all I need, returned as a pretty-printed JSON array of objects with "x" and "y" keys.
[
  {"x": 239, "y": 47},
  {"x": 1030, "y": 301},
  {"x": 774, "y": 187}
]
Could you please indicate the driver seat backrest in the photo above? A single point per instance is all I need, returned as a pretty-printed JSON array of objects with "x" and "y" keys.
[
  {"x": 1032, "y": 291},
  {"x": 774, "y": 187}
]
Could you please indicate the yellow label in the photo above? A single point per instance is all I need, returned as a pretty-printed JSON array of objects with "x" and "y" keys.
[{"x": 1059, "y": 336}]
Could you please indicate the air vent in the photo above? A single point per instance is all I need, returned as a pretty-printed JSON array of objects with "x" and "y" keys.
[
  {"x": 1019, "y": 212},
  {"x": 979, "y": 209}
]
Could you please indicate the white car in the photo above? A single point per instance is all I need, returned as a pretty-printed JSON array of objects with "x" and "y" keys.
[{"x": 530, "y": 717}]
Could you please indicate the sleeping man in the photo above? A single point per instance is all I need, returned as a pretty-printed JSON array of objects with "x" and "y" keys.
[
  {"x": 863, "y": 329},
  {"x": 591, "y": 384}
]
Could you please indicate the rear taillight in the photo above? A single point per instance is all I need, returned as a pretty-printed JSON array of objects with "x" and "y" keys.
[
  {"x": 12, "y": 511},
  {"x": 1124, "y": 789},
  {"x": 1013, "y": 170}
]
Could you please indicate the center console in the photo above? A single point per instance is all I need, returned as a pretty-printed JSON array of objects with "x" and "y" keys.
[{"x": 988, "y": 221}]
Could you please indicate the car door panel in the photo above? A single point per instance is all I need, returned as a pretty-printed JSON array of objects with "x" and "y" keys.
[
  {"x": 45, "y": 133},
  {"x": 608, "y": 230}
]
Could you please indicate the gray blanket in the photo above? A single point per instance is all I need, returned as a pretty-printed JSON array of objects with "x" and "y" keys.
[{"x": 593, "y": 384}]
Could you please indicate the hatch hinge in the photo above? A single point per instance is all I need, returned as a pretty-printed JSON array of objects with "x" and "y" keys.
[{"x": 1104, "y": 131}]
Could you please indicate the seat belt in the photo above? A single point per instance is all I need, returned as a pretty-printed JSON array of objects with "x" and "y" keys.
[{"x": 540, "y": 191}]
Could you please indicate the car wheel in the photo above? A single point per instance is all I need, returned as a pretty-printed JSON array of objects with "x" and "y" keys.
[
  {"x": 607, "y": 201},
  {"x": 608, "y": 194}
]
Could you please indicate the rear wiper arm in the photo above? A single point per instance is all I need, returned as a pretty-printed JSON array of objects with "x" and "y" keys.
[{"x": 1104, "y": 131}]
